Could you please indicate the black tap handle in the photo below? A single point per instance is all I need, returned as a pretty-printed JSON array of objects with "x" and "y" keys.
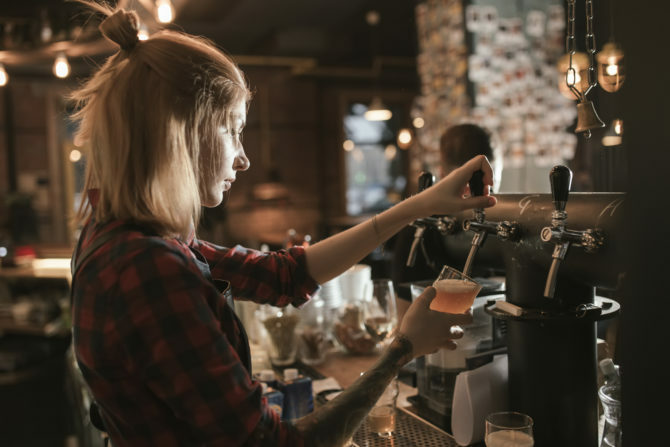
[
  {"x": 476, "y": 183},
  {"x": 426, "y": 180},
  {"x": 560, "y": 178}
]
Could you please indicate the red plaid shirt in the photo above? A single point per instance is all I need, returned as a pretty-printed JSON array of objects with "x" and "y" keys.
[{"x": 155, "y": 343}]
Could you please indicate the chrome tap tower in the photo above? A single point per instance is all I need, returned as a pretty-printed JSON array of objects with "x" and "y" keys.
[{"x": 555, "y": 250}]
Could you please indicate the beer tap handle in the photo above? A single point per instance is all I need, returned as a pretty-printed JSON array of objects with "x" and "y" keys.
[
  {"x": 426, "y": 180},
  {"x": 476, "y": 183},
  {"x": 560, "y": 179}
]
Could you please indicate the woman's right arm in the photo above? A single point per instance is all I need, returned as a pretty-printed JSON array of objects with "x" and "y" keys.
[{"x": 422, "y": 332}]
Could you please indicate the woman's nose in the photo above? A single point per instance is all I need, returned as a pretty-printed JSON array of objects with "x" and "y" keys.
[{"x": 242, "y": 163}]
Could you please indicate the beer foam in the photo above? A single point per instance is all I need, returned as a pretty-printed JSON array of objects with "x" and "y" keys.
[{"x": 455, "y": 286}]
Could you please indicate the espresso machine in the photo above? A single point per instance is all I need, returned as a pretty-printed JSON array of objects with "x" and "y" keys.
[{"x": 555, "y": 250}]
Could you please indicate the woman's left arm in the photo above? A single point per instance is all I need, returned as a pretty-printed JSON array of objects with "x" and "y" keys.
[{"x": 330, "y": 257}]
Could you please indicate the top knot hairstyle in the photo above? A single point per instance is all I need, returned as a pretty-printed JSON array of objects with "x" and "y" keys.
[
  {"x": 122, "y": 28},
  {"x": 150, "y": 118}
]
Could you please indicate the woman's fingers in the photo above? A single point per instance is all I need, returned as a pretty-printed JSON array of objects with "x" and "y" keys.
[{"x": 480, "y": 162}]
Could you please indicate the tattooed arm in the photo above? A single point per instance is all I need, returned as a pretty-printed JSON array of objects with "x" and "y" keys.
[
  {"x": 335, "y": 422},
  {"x": 422, "y": 331}
]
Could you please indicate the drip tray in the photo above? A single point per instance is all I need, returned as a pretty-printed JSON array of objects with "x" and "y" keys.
[{"x": 410, "y": 431}]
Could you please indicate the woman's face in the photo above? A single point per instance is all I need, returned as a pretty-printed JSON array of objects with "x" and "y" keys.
[{"x": 216, "y": 181}]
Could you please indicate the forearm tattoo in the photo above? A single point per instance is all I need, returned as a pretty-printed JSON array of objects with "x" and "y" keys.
[{"x": 335, "y": 422}]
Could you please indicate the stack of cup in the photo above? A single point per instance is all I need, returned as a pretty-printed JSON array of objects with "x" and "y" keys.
[{"x": 356, "y": 283}]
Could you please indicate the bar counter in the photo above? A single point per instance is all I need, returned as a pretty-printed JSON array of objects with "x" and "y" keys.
[{"x": 411, "y": 430}]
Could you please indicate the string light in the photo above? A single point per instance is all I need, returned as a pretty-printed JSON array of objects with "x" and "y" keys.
[
  {"x": 418, "y": 122},
  {"x": 61, "y": 66},
  {"x": 404, "y": 138},
  {"x": 611, "y": 72},
  {"x": 377, "y": 111},
  {"x": 75, "y": 155},
  {"x": 164, "y": 11},
  {"x": 143, "y": 33},
  {"x": 4, "y": 77}
]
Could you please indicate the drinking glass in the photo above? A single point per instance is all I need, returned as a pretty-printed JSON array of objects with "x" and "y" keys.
[
  {"x": 380, "y": 316},
  {"x": 509, "y": 429},
  {"x": 381, "y": 418},
  {"x": 455, "y": 291}
]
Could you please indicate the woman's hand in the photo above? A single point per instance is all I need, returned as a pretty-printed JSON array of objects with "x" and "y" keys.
[
  {"x": 429, "y": 330},
  {"x": 448, "y": 195}
]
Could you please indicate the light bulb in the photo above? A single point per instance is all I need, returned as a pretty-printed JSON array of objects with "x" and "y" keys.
[
  {"x": 611, "y": 71},
  {"x": 61, "y": 66},
  {"x": 377, "y": 111},
  {"x": 390, "y": 151},
  {"x": 164, "y": 11},
  {"x": 348, "y": 145},
  {"x": 4, "y": 77},
  {"x": 75, "y": 155},
  {"x": 618, "y": 126},
  {"x": 143, "y": 33},
  {"x": 404, "y": 138},
  {"x": 418, "y": 122}
]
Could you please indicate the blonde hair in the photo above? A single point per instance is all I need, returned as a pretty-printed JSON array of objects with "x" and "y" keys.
[{"x": 150, "y": 116}]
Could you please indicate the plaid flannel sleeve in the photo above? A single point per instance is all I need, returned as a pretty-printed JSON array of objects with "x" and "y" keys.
[
  {"x": 278, "y": 278},
  {"x": 173, "y": 341}
]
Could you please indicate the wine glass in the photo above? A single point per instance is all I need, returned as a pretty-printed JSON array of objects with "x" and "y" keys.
[
  {"x": 509, "y": 428},
  {"x": 380, "y": 316}
]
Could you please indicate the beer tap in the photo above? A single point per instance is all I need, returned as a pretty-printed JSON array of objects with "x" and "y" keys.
[
  {"x": 505, "y": 230},
  {"x": 590, "y": 240},
  {"x": 444, "y": 224}
]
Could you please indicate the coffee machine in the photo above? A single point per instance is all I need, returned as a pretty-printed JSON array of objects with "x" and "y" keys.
[{"x": 554, "y": 250}]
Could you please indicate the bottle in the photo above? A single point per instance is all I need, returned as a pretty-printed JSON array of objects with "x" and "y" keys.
[
  {"x": 298, "y": 399},
  {"x": 275, "y": 398},
  {"x": 610, "y": 371},
  {"x": 610, "y": 397}
]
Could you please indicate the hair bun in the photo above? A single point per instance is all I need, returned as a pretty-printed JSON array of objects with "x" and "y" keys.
[{"x": 121, "y": 28}]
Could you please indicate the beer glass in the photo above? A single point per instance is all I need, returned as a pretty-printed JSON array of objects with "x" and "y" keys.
[
  {"x": 455, "y": 291},
  {"x": 509, "y": 429}
]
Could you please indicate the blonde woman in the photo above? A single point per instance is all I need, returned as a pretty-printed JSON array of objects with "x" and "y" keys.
[{"x": 155, "y": 337}]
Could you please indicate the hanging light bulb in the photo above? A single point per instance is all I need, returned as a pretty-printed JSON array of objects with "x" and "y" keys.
[
  {"x": 404, "y": 138},
  {"x": 611, "y": 71},
  {"x": 614, "y": 134},
  {"x": 61, "y": 66},
  {"x": 418, "y": 122},
  {"x": 164, "y": 11},
  {"x": 4, "y": 77},
  {"x": 580, "y": 62},
  {"x": 143, "y": 33},
  {"x": 377, "y": 111}
]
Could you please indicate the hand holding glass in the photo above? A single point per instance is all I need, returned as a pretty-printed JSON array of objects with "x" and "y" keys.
[
  {"x": 509, "y": 429},
  {"x": 455, "y": 291}
]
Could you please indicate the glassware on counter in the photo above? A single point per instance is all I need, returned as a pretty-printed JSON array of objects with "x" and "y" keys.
[
  {"x": 509, "y": 429},
  {"x": 280, "y": 338}
]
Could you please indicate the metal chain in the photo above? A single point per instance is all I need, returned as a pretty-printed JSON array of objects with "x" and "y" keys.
[
  {"x": 571, "y": 74},
  {"x": 590, "y": 39}
]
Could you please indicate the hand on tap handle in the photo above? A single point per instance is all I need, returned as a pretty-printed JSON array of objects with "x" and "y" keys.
[{"x": 476, "y": 183}]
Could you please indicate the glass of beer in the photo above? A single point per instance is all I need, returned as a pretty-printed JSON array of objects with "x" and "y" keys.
[
  {"x": 382, "y": 416},
  {"x": 509, "y": 428},
  {"x": 455, "y": 291}
]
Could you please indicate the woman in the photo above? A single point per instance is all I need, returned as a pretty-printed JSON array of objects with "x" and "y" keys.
[{"x": 162, "y": 351}]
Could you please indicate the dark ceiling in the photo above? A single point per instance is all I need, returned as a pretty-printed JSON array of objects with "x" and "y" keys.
[{"x": 333, "y": 32}]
